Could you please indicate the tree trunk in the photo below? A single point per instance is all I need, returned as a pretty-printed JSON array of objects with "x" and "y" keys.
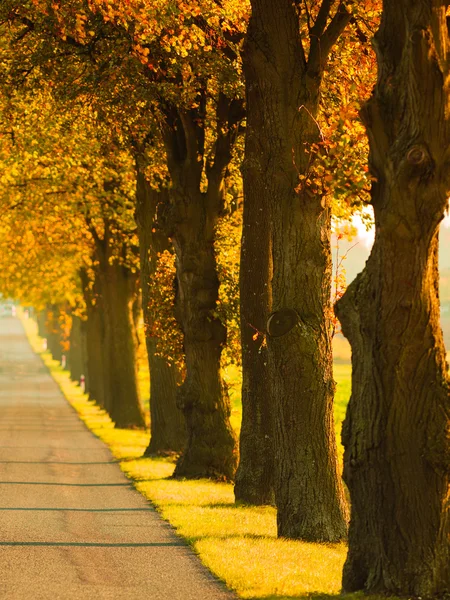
[
  {"x": 255, "y": 477},
  {"x": 211, "y": 449},
  {"x": 94, "y": 340},
  {"x": 54, "y": 332},
  {"x": 41, "y": 320},
  {"x": 76, "y": 350},
  {"x": 95, "y": 356},
  {"x": 120, "y": 369},
  {"x": 283, "y": 93},
  {"x": 211, "y": 443},
  {"x": 84, "y": 356},
  {"x": 167, "y": 426},
  {"x": 396, "y": 433}
]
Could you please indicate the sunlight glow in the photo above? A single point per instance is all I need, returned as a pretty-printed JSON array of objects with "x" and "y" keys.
[{"x": 367, "y": 237}]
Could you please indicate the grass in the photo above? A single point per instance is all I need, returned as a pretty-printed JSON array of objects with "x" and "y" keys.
[
  {"x": 233, "y": 377},
  {"x": 237, "y": 543}
]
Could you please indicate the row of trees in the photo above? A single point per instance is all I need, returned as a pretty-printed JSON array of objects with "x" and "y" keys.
[{"x": 123, "y": 136}]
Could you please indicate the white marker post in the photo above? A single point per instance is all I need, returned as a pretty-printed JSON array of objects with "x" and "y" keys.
[{"x": 83, "y": 383}]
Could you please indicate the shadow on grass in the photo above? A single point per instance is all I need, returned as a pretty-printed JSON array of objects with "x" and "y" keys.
[
  {"x": 228, "y": 506},
  {"x": 342, "y": 596},
  {"x": 312, "y": 596},
  {"x": 137, "y": 480},
  {"x": 131, "y": 458},
  {"x": 191, "y": 540}
]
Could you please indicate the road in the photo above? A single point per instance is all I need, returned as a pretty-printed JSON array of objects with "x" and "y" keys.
[{"x": 71, "y": 525}]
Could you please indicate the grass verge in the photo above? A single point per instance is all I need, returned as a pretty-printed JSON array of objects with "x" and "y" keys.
[{"x": 237, "y": 543}]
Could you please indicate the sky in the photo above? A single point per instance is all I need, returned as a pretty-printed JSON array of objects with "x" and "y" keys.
[
  {"x": 355, "y": 252},
  {"x": 366, "y": 238}
]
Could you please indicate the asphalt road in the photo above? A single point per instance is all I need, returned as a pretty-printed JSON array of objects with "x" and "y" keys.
[{"x": 71, "y": 526}]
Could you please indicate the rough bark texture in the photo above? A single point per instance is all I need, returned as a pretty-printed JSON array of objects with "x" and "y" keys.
[
  {"x": 283, "y": 90},
  {"x": 255, "y": 477},
  {"x": 211, "y": 444},
  {"x": 210, "y": 450},
  {"x": 396, "y": 433},
  {"x": 167, "y": 426}
]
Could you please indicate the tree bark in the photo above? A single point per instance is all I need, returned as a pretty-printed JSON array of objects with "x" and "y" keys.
[
  {"x": 211, "y": 449},
  {"x": 110, "y": 302},
  {"x": 76, "y": 350},
  {"x": 255, "y": 477},
  {"x": 211, "y": 443},
  {"x": 84, "y": 355},
  {"x": 167, "y": 426},
  {"x": 120, "y": 369},
  {"x": 94, "y": 341},
  {"x": 283, "y": 93},
  {"x": 397, "y": 429}
]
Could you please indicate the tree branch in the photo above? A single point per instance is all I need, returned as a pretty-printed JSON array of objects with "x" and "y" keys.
[
  {"x": 93, "y": 231},
  {"x": 338, "y": 23},
  {"x": 323, "y": 40},
  {"x": 308, "y": 16},
  {"x": 322, "y": 18},
  {"x": 229, "y": 114}
]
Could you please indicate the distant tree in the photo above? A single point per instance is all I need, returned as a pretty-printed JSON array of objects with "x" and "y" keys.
[
  {"x": 397, "y": 429},
  {"x": 67, "y": 210},
  {"x": 168, "y": 428},
  {"x": 185, "y": 76}
]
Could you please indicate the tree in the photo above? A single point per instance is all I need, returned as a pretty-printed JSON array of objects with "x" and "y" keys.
[
  {"x": 193, "y": 94},
  {"x": 337, "y": 172},
  {"x": 199, "y": 129},
  {"x": 77, "y": 354},
  {"x": 118, "y": 286},
  {"x": 283, "y": 85},
  {"x": 168, "y": 429},
  {"x": 255, "y": 477},
  {"x": 72, "y": 190},
  {"x": 114, "y": 274},
  {"x": 37, "y": 266},
  {"x": 396, "y": 432}
]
